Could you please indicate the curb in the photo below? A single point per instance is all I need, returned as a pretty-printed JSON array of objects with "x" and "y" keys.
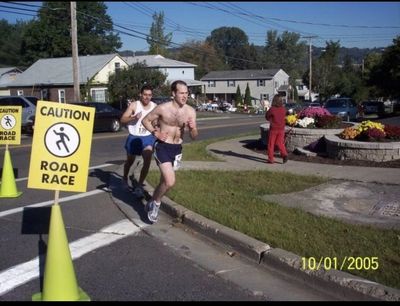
[{"x": 344, "y": 284}]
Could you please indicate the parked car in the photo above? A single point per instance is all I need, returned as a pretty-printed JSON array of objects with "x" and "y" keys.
[
  {"x": 373, "y": 107},
  {"x": 33, "y": 99},
  {"x": 343, "y": 107},
  {"x": 106, "y": 118},
  {"x": 28, "y": 110}
]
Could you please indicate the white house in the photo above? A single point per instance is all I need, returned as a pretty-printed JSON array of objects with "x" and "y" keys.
[
  {"x": 263, "y": 84},
  {"x": 174, "y": 70}
]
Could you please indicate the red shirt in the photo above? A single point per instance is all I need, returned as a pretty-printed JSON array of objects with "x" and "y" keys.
[{"x": 276, "y": 117}]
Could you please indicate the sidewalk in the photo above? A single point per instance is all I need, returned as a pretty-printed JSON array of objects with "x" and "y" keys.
[{"x": 362, "y": 195}]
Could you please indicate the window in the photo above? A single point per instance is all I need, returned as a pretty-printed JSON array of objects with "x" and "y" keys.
[
  {"x": 211, "y": 83},
  {"x": 61, "y": 95},
  {"x": 260, "y": 83},
  {"x": 231, "y": 83},
  {"x": 99, "y": 94},
  {"x": 117, "y": 67}
]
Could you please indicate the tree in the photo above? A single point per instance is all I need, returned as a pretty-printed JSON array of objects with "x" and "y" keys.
[
  {"x": 325, "y": 70},
  {"x": 386, "y": 74},
  {"x": 158, "y": 42},
  {"x": 247, "y": 96},
  {"x": 10, "y": 42},
  {"x": 238, "y": 96},
  {"x": 49, "y": 35},
  {"x": 233, "y": 45},
  {"x": 126, "y": 83},
  {"x": 203, "y": 55}
]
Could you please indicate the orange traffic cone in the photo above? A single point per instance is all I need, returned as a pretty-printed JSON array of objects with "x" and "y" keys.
[
  {"x": 8, "y": 188},
  {"x": 59, "y": 282}
]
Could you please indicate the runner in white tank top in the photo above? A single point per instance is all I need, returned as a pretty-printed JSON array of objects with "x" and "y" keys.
[{"x": 139, "y": 141}]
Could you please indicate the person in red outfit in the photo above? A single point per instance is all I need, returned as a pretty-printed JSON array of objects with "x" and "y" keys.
[{"x": 276, "y": 117}]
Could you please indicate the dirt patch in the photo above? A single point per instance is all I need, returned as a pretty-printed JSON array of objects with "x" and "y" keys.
[{"x": 257, "y": 146}]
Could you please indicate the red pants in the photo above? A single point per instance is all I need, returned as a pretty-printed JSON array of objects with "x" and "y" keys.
[{"x": 276, "y": 138}]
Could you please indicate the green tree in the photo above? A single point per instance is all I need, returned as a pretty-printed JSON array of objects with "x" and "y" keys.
[
  {"x": 247, "y": 96},
  {"x": 49, "y": 36},
  {"x": 126, "y": 83},
  {"x": 201, "y": 54},
  {"x": 271, "y": 51},
  {"x": 158, "y": 42},
  {"x": 233, "y": 45},
  {"x": 10, "y": 42},
  {"x": 386, "y": 74},
  {"x": 325, "y": 71},
  {"x": 238, "y": 96}
]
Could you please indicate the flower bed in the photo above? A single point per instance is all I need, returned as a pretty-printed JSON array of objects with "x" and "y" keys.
[{"x": 369, "y": 141}]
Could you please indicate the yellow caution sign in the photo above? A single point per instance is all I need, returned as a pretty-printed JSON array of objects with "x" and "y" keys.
[
  {"x": 61, "y": 147},
  {"x": 10, "y": 124}
]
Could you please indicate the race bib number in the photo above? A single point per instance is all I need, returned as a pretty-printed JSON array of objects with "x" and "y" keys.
[
  {"x": 142, "y": 130},
  {"x": 178, "y": 161}
]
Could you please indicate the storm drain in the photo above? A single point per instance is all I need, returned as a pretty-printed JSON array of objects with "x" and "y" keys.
[{"x": 391, "y": 209}]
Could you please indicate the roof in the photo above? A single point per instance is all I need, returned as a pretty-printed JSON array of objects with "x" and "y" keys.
[
  {"x": 156, "y": 61},
  {"x": 9, "y": 69},
  {"x": 240, "y": 74},
  {"x": 54, "y": 71}
]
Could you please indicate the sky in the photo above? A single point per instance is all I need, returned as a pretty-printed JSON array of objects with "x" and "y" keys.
[{"x": 353, "y": 24}]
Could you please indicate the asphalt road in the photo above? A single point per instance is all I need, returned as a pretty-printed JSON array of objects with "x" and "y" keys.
[{"x": 117, "y": 260}]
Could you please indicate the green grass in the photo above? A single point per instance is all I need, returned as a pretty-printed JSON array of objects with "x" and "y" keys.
[{"x": 236, "y": 202}]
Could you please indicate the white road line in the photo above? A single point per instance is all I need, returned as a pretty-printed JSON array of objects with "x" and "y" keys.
[
  {"x": 50, "y": 202},
  {"x": 90, "y": 168},
  {"x": 22, "y": 273}
]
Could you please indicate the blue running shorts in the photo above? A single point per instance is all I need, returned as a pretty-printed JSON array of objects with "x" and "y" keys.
[
  {"x": 166, "y": 152},
  {"x": 135, "y": 145}
]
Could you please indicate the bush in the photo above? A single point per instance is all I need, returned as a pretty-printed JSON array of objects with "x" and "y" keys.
[
  {"x": 392, "y": 132},
  {"x": 328, "y": 122},
  {"x": 313, "y": 112},
  {"x": 371, "y": 131}
]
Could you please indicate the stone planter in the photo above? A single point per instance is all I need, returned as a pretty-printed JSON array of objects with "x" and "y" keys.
[
  {"x": 336, "y": 147},
  {"x": 358, "y": 150},
  {"x": 298, "y": 137}
]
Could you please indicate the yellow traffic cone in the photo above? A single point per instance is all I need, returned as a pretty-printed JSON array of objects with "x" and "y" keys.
[
  {"x": 59, "y": 282},
  {"x": 8, "y": 188}
]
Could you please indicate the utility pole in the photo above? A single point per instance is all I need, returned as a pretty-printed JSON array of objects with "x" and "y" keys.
[
  {"x": 310, "y": 61},
  {"x": 75, "y": 58}
]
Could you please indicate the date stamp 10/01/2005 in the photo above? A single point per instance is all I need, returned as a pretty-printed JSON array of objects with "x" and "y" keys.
[{"x": 348, "y": 263}]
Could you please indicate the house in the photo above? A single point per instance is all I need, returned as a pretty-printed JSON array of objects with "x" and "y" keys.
[
  {"x": 7, "y": 75},
  {"x": 174, "y": 70},
  {"x": 304, "y": 93},
  {"x": 263, "y": 84},
  {"x": 52, "y": 78}
]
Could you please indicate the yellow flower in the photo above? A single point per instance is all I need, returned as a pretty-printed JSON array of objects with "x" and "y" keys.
[{"x": 291, "y": 120}]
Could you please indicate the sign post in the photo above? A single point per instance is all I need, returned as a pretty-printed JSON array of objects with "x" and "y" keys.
[{"x": 60, "y": 161}]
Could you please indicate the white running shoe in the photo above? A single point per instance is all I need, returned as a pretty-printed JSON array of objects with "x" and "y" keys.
[{"x": 152, "y": 211}]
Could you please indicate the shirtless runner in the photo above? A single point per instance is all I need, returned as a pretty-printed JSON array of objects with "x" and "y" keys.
[{"x": 173, "y": 118}]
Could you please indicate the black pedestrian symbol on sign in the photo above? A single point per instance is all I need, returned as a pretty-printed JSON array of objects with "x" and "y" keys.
[
  {"x": 62, "y": 139},
  {"x": 8, "y": 122}
]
